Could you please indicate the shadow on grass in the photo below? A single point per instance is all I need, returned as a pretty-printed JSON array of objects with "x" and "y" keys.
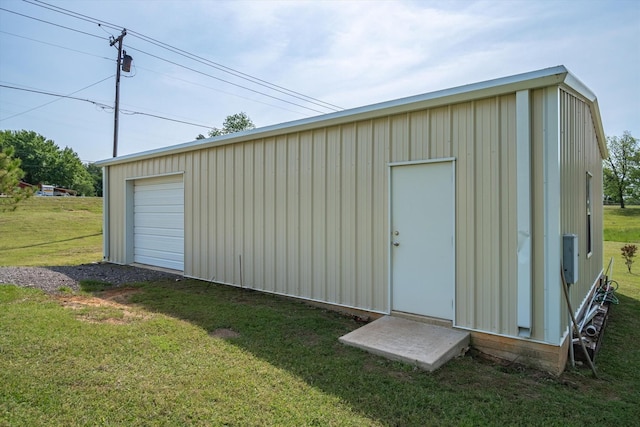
[
  {"x": 304, "y": 341},
  {"x": 52, "y": 242},
  {"x": 629, "y": 211}
]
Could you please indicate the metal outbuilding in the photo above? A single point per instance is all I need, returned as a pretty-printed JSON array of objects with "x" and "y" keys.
[{"x": 449, "y": 205}]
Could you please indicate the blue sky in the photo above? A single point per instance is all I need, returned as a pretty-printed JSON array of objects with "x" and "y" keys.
[{"x": 347, "y": 53}]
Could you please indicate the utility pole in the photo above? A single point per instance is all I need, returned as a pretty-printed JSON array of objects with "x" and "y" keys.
[{"x": 116, "y": 111}]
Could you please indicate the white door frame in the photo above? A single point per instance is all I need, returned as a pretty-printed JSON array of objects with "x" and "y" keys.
[{"x": 452, "y": 160}]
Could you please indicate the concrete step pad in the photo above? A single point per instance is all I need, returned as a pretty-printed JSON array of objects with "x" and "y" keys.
[{"x": 421, "y": 344}]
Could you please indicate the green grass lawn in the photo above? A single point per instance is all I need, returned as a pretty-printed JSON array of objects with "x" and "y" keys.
[
  {"x": 52, "y": 231},
  {"x": 622, "y": 225},
  {"x": 195, "y": 353}
]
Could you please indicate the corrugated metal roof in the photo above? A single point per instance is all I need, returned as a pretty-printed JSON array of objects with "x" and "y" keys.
[{"x": 531, "y": 80}]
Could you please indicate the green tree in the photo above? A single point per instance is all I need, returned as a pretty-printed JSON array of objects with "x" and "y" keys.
[
  {"x": 96, "y": 176},
  {"x": 622, "y": 169},
  {"x": 10, "y": 176},
  {"x": 38, "y": 154},
  {"x": 233, "y": 123},
  {"x": 44, "y": 162}
]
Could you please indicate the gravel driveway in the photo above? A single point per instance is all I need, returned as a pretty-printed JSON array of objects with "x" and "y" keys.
[{"x": 50, "y": 279}]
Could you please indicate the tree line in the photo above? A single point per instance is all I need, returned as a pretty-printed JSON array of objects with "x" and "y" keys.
[{"x": 42, "y": 161}]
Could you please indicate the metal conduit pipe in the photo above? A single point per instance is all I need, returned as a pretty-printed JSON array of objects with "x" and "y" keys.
[{"x": 575, "y": 322}]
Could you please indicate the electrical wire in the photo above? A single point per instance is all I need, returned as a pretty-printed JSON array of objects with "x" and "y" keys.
[
  {"x": 42, "y": 92},
  {"x": 189, "y": 55},
  {"x": 52, "y": 23},
  {"x": 181, "y": 52},
  {"x": 193, "y": 57},
  {"x": 223, "y": 80},
  {"x": 184, "y": 66},
  {"x": 73, "y": 14},
  {"x": 57, "y": 45},
  {"x": 134, "y": 113},
  {"x": 218, "y": 90},
  {"x": 56, "y": 100},
  {"x": 148, "y": 69},
  {"x": 105, "y": 106},
  {"x": 236, "y": 73}
]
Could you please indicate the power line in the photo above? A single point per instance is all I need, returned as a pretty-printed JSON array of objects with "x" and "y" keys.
[
  {"x": 104, "y": 106},
  {"x": 134, "y": 113},
  {"x": 184, "y": 66},
  {"x": 42, "y": 92},
  {"x": 52, "y": 23},
  {"x": 218, "y": 90},
  {"x": 55, "y": 100},
  {"x": 239, "y": 74},
  {"x": 147, "y": 69},
  {"x": 223, "y": 80},
  {"x": 56, "y": 45},
  {"x": 73, "y": 14},
  {"x": 193, "y": 57}
]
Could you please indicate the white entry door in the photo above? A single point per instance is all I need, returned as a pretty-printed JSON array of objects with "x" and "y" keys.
[{"x": 422, "y": 236}]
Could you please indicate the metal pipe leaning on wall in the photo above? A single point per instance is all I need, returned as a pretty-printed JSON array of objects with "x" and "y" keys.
[{"x": 575, "y": 323}]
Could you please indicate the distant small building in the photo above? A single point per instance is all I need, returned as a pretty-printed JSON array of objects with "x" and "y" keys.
[
  {"x": 448, "y": 205},
  {"x": 47, "y": 190},
  {"x": 52, "y": 190}
]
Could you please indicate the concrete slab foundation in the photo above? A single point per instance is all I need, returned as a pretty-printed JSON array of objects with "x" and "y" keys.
[{"x": 424, "y": 345}]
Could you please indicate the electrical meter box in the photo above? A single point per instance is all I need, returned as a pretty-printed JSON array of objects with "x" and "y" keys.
[{"x": 570, "y": 257}]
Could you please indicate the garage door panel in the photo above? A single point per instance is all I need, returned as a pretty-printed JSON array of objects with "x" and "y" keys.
[
  {"x": 151, "y": 231},
  {"x": 174, "y": 265},
  {"x": 161, "y": 221},
  {"x": 158, "y": 237},
  {"x": 157, "y": 198},
  {"x": 166, "y": 182},
  {"x": 179, "y": 209},
  {"x": 153, "y": 253},
  {"x": 159, "y": 243},
  {"x": 156, "y": 202}
]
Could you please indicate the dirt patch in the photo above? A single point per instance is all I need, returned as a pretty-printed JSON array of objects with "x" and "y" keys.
[
  {"x": 109, "y": 308},
  {"x": 111, "y": 298},
  {"x": 224, "y": 333},
  {"x": 120, "y": 295}
]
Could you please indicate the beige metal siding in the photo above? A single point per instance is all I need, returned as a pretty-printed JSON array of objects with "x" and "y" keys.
[
  {"x": 306, "y": 213},
  {"x": 579, "y": 155},
  {"x": 484, "y": 145}
]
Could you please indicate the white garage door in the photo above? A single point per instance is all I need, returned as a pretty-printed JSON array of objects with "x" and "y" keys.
[{"x": 158, "y": 222}]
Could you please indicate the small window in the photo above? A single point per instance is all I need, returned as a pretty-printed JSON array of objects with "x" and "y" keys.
[{"x": 589, "y": 222}]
